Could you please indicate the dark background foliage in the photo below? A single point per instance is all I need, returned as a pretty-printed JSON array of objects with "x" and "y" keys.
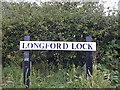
[{"x": 60, "y": 22}]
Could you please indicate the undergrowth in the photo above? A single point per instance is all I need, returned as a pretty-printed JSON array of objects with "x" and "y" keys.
[{"x": 63, "y": 78}]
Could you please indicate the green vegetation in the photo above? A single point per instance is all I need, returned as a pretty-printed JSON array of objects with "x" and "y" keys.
[
  {"x": 60, "y": 22},
  {"x": 63, "y": 78}
]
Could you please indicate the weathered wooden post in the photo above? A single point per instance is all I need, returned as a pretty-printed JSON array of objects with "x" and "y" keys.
[
  {"x": 88, "y": 59},
  {"x": 26, "y": 65}
]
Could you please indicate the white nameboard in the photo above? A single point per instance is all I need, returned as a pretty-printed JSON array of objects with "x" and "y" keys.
[{"x": 57, "y": 45}]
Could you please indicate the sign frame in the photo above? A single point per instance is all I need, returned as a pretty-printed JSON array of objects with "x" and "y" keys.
[
  {"x": 57, "y": 45},
  {"x": 26, "y": 64}
]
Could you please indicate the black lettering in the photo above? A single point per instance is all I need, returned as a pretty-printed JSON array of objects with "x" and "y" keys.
[
  {"x": 47, "y": 45},
  {"x": 23, "y": 45},
  {"x": 42, "y": 45},
  {"x": 73, "y": 46},
  {"x": 35, "y": 45},
  {"x": 79, "y": 46},
  {"x": 65, "y": 45},
  {"x": 30, "y": 44},
  {"x": 89, "y": 46},
  {"x": 52, "y": 45},
  {"x": 39, "y": 45},
  {"x": 84, "y": 46},
  {"x": 58, "y": 46}
]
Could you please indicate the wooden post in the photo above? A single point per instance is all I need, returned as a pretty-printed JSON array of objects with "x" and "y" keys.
[
  {"x": 89, "y": 59},
  {"x": 26, "y": 65}
]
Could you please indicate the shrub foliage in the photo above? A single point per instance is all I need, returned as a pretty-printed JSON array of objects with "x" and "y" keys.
[{"x": 63, "y": 21}]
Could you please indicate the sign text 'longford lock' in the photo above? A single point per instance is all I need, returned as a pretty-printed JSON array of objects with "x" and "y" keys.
[{"x": 57, "y": 45}]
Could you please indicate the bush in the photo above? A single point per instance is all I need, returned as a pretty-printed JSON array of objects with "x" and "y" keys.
[
  {"x": 97, "y": 80},
  {"x": 64, "y": 78}
]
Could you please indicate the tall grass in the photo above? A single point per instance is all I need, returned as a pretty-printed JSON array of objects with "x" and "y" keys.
[
  {"x": 63, "y": 78},
  {"x": 12, "y": 77}
]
